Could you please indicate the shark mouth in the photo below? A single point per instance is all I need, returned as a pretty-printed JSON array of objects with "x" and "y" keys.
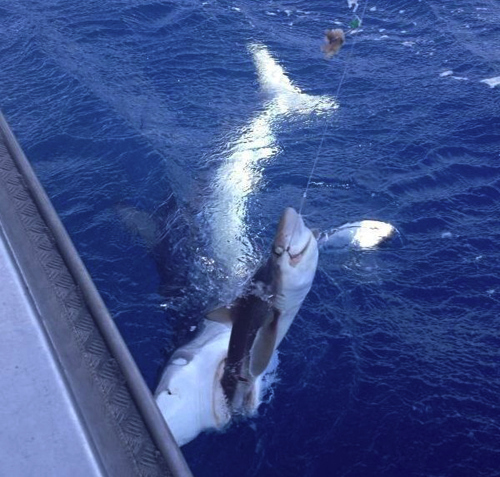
[{"x": 294, "y": 258}]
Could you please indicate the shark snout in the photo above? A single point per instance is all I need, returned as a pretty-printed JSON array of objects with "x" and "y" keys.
[{"x": 292, "y": 236}]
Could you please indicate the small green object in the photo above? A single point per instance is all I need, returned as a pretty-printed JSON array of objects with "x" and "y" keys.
[{"x": 354, "y": 24}]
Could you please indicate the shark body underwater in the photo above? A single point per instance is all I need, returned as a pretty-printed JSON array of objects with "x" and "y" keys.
[{"x": 218, "y": 375}]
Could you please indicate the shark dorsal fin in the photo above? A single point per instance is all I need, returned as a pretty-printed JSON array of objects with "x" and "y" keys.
[{"x": 220, "y": 315}]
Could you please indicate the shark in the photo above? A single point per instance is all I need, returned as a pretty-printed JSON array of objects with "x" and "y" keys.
[
  {"x": 361, "y": 235},
  {"x": 218, "y": 375},
  {"x": 261, "y": 318}
]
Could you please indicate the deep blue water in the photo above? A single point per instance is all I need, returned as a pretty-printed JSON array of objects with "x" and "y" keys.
[{"x": 393, "y": 365}]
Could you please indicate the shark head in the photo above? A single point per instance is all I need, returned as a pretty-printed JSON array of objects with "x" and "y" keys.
[
  {"x": 295, "y": 259},
  {"x": 189, "y": 394}
]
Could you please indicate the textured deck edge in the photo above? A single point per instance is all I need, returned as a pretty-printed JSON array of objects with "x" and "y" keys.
[{"x": 108, "y": 389}]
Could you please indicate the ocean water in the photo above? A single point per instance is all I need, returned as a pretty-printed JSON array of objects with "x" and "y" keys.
[{"x": 129, "y": 111}]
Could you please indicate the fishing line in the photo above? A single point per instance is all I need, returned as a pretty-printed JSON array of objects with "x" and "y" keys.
[{"x": 327, "y": 119}]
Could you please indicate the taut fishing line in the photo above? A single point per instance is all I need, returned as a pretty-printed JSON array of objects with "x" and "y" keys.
[
  {"x": 327, "y": 120},
  {"x": 341, "y": 82}
]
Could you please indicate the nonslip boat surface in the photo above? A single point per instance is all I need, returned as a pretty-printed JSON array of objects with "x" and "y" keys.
[{"x": 73, "y": 400}]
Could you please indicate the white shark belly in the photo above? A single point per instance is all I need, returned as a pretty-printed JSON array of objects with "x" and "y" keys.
[{"x": 189, "y": 395}]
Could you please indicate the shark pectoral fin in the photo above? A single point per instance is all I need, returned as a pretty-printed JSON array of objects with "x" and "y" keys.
[
  {"x": 263, "y": 347},
  {"x": 220, "y": 315}
]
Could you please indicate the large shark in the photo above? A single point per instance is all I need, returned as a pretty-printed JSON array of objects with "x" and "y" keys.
[
  {"x": 218, "y": 374},
  {"x": 261, "y": 318}
]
